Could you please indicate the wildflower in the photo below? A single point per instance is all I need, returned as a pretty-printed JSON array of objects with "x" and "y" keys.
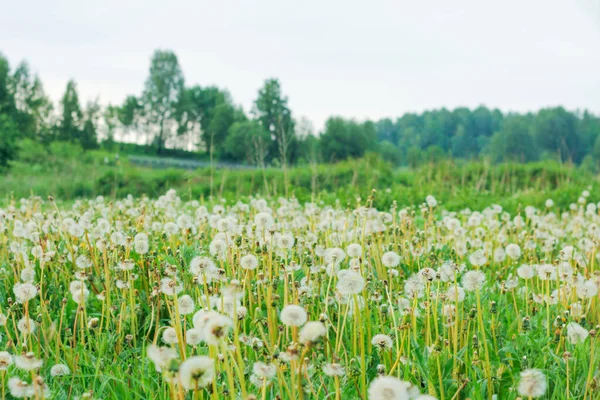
[
  {"x": 354, "y": 250},
  {"x": 576, "y": 333},
  {"x": 478, "y": 258},
  {"x": 431, "y": 201},
  {"x": 286, "y": 241},
  {"x": 26, "y": 325},
  {"x": 83, "y": 262},
  {"x": 263, "y": 220},
  {"x": 513, "y": 251},
  {"x": 196, "y": 372},
  {"x": 334, "y": 256},
  {"x": 455, "y": 294},
  {"x": 161, "y": 356},
  {"x": 186, "y": 305},
  {"x": 473, "y": 280},
  {"x": 6, "y": 360},
  {"x": 312, "y": 332},
  {"x": 350, "y": 283},
  {"x": 383, "y": 342},
  {"x": 216, "y": 328},
  {"x": 526, "y": 271},
  {"x": 414, "y": 287},
  {"x": 388, "y": 388},
  {"x": 169, "y": 336},
  {"x": 264, "y": 371},
  {"x": 390, "y": 259},
  {"x": 249, "y": 262},
  {"x": 19, "y": 388},
  {"x": 532, "y": 383},
  {"x": 170, "y": 286},
  {"x": 60, "y": 370},
  {"x": 28, "y": 275},
  {"x": 141, "y": 246},
  {"x": 24, "y": 292},
  {"x": 201, "y": 317},
  {"x": 200, "y": 265},
  {"x": 193, "y": 336},
  {"x": 28, "y": 362},
  {"x": 587, "y": 289},
  {"x": 333, "y": 369},
  {"x": 547, "y": 272},
  {"x": 293, "y": 315}
]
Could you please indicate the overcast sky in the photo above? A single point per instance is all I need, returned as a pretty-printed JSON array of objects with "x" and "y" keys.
[{"x": 361, "y": 59}]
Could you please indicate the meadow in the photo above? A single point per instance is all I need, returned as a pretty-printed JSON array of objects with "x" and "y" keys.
[{"x": 363, "y": 281}]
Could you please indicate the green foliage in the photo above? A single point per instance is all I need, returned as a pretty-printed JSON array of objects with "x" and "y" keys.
[
  {"x": 171, "y": 119},
  {"x": 343, "y": 139},
  {"x": 8, "y": 141},
  {"x": 71, "y": 121},
  {"x": 162, "y": 93},
  {"x": 456, "y": 184}
]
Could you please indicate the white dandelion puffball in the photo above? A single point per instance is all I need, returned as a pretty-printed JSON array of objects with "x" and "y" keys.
[
  {"x": 196, "y": 372},
  {"x": 513, "y": 251},
  {"x": 186, "y": 305},
  {"x": 264, "y": 371},
  {"x": 350, "y": 283},
  {"x": 526, "y": 271},
  {"x": 354, "y": 250},
  {"x": 312, "y": 331},
  {"x": 473, "y": 280},
  {"x": 478, "y": 258},
  {"x": 60, "y": 370},
  {"x": 388, "y": 388},
  {"x": 532, "y": 383},
  {"x": 24, "y": 292},
  {"x": 576, "y": 333},
  {"x": 293, "y": 315},
  {"x": 6, "y": 360},
  {"x": 390, "y": 259},
  {"x": 249, "y": 262},
  {"x": 384, "y": 342}
]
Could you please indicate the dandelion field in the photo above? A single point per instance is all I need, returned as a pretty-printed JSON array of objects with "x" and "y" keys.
[{"x": 273, "y": 298}]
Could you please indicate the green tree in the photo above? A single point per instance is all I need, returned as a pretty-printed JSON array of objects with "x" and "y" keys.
[
  {"x": 272, "y": 112},
  {"x": 344, "y": 139},
  {"x": 595, "y": 153},
  {"x": 70, "y": 123},
  {"x": 513, "y": 142},
  {"x": 110, "y": 118},
  {"x": 247, "y": 141},
  {"x": 34, "y": 108},
  {"x": 8, "y": 141},
  {"x": 89, "y": 135},
  {"x": 555, "y": 130},
  {"x": 162, "y": 94}
]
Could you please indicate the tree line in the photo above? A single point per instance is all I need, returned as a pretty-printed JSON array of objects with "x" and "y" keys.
[{"x": 170, "y": 115}]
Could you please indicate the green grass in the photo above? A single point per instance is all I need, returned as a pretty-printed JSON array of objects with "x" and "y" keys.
[
  {"x": 457, "y": 184},
  {"x": 449, "y": 349}
]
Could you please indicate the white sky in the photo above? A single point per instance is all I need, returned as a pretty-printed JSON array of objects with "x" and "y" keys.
[{"x": 362, "y": 59}]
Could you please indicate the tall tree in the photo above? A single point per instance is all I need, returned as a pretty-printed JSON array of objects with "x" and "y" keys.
[
  {"x": 89, "y": 134},
  {"x": 34, "y": 108},
  {"x": 272, "y": 112},
  {"x": 344, "y": 139},
  {"x": 71, "y": 119},
  {"x": 8, "y": 110},
  {"x": 513, "y": 142},
  {"x": 555, "y": 131},
  {"x": 162, "y": 93}
]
